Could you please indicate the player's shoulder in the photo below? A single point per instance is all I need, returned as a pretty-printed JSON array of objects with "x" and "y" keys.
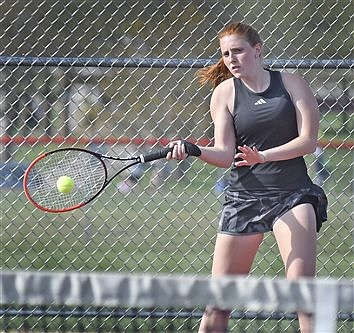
[
  {"x": 223, "y": 96},
  {"x": 225, "y": 86},
  {"x": 293, "y": 82},
  {"x": 292, "y": 79}
]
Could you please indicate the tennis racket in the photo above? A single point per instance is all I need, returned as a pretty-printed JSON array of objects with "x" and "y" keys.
[{"x": 87, "y": 170}]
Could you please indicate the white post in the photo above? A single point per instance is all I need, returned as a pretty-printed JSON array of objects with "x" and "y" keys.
[{"x": 326, "y": 307}]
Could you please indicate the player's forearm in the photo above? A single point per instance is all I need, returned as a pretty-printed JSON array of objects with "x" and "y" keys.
[
  {"x": 221, "y": 155},
  {"x": 294, "y": 148},
  {"x": 222, "y": 158}
]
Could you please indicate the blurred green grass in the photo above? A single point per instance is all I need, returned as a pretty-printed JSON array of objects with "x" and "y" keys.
[{"x": 170, "y": 230}]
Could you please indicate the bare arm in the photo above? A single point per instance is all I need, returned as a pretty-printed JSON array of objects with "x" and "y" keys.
[
  {"x": 222, "y": 153},
  {"x": 307, "y": 116}
]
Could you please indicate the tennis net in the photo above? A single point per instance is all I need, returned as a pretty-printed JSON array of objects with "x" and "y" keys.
[{"x": 113, "y": 296}]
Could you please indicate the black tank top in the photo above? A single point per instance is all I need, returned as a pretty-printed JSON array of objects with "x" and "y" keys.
[{"x": 266, "y": 120}]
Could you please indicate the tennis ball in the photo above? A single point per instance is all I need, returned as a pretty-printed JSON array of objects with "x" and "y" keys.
[{"x": 65, "y": 184}]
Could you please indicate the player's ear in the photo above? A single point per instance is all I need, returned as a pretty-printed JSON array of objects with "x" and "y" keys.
[{"x": 258, "y": 50}]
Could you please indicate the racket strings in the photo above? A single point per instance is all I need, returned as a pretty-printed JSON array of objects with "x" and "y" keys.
[{"x": 87, "y": 171}]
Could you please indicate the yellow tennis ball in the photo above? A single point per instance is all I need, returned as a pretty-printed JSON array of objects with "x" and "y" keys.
[{"x": 65, "y": 184}]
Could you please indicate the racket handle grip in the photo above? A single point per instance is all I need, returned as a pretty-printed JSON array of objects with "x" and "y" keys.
[
  {"x": 155, "y": 155},
  {"x": 191, "y": 149}
]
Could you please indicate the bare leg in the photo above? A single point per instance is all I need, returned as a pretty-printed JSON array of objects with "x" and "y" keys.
[
  {"x": 295, "y": 233},
  {"x": 233, "y": 255}
]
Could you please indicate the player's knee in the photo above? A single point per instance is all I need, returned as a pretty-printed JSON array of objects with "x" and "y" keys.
[{"x": 300, "y": 270}]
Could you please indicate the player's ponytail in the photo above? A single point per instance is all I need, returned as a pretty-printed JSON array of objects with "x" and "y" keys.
[{"x": 214, "y": 74}]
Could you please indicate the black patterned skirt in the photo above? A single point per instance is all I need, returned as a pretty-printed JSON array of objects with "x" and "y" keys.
[{"x": 253, "y": 212}]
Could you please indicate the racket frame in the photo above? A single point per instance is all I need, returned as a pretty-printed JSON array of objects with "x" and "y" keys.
[
  {"x": 191, "y": 150},
  {"x": 135, "y": 160}
]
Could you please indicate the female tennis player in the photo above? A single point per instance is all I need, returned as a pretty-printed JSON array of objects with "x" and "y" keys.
[{"x": 264, "y": 123}]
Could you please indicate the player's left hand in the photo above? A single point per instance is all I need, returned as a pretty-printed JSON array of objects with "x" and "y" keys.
[{"x": 249, "y": 156}]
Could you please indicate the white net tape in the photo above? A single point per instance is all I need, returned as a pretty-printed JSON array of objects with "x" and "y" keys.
[{"x": 323, "y": 297}]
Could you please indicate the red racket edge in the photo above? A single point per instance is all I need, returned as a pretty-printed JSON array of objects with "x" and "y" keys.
[
  {"x": 30, "y": 199},
  {"x": 25, "y": 178},
  {"x": 49, "y": 210},
  {"x": 154, "y": 155}
]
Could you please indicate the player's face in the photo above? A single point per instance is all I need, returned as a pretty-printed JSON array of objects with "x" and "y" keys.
[{"x": 238, "y": 55}]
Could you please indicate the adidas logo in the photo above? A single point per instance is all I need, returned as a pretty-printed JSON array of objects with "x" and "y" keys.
[{"x": 260, "y": 102}]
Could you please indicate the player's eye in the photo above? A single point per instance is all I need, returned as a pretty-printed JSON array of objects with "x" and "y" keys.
[{"x": 236, "y": 50}]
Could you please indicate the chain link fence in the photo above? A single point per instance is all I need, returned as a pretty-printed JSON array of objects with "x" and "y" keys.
[{"x": 118, "y": 77}]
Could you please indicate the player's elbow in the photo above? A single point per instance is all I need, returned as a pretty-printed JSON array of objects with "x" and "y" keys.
[
  {"x": 307, "y": 142},
  {"x": 228, "y": 158},
  {"x": 224, "y": 165},
  {"x": 224, "y": 162},
  {"x": 310, "y": 145},
  {"x": 227, "y": 162},
  {"x": 222, "y": 155},
  {"x": 313, "y": 147}
]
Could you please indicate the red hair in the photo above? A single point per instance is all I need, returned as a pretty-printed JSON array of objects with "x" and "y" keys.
[{"x": 217, "y": 73}]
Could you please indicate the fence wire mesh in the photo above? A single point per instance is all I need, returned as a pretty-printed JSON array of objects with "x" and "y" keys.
[{"x": 163, "y": 217}]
